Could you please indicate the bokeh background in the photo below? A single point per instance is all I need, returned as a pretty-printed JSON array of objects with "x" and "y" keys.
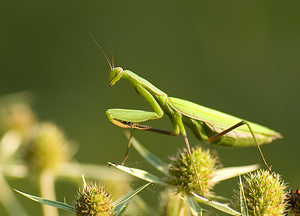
[{"x": 240, "y": 57}]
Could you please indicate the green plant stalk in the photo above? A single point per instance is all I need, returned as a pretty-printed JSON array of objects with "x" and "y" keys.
[
  {"x": 8, "y": 199},
  {"x": 47, "y": 190},
  {"x": 182, "y": 207}
]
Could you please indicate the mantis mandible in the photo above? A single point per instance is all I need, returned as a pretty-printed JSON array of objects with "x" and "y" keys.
[{"x": 206, "y": 124}]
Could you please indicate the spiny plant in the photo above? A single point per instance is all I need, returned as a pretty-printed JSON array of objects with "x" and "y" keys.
[
  {"x": 184, "y": 177},
  {"x": 93, "y": 200},
  {"x": 263, "y": 193}
]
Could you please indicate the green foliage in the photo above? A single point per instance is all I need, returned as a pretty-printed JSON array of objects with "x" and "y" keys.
[
  {"x": 52, "y": 203},
  {"x": 93, "y": 200},
  {"x": 190, "y": 197}
]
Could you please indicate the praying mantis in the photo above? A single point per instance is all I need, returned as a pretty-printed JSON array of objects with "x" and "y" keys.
[{"x": 207, "y": 124}]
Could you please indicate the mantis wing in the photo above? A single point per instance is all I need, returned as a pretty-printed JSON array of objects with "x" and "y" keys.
[{"x": 218, "y": 119}]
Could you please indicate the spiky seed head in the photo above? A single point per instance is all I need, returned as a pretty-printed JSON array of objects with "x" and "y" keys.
[
  {"x": 294, "y": 202},
  {"x": 265, "y": 194},
  {"x": 47, "y": 148},
  {"x": 183, "y": 175},
  {"x": 93, "y": 200}
]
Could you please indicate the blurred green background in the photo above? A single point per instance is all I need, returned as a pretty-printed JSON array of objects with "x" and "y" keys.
[{"x": 239, "y": 57}]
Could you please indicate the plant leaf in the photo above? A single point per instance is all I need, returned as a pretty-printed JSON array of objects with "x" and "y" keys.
[
  {"x": 219, "y": 198},
  {"x": 121, "y": 204},
  {"x": 230, "y": 172},
  {"x": 195, "y": 208},
  {"x": 53, "y": 203},
  {"x": 243, "y": 203},
  {"x": 216, "y": 205},
  {"x": 119, "y": 210},
  {"x": 128, "y": 196},
  {"x": 140, "y": 174},
  {"x": 148, "y": 156}
]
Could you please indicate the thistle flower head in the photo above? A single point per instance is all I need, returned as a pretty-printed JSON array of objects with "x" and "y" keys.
[
  {"x": 47, "y": 149},
  {"x": 183, "y": 175},
  {"x": 93, "y": 201},
  {"x": 265, "y": 193}
]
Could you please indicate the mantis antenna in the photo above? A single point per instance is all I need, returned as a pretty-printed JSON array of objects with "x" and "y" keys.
[
  {"x": 102, "y": 52},
  {"x": 112, "y": 56}
]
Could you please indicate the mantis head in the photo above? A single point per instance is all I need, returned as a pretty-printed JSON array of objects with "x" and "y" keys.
[{"x": 115, "y": 75}]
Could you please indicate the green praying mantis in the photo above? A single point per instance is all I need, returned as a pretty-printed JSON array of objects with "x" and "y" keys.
[{"x": 206, "y": 124}]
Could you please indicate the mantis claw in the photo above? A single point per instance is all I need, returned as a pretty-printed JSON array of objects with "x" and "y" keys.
[{"x": 125, "y": 124}]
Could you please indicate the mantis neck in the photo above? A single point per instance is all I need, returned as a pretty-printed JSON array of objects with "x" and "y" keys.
[{"x": 137, "y": 80}]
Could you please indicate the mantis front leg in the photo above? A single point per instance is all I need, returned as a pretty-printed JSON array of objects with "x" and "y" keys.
[
  {"x": 132, "y": 118},
  {"x": 127, "y": 118}
]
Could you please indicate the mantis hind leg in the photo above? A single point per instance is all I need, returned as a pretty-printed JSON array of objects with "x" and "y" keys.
[{"x": 217, "y": 136}]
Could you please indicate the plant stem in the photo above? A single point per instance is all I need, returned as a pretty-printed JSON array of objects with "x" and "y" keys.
[
  {"x": 8, "y": 199},
  {"x": 47, "y": 190},
  {"x": 181, "y": 204}
]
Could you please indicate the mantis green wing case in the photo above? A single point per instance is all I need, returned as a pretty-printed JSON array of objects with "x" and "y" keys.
[{"x": 206, "y": 122}]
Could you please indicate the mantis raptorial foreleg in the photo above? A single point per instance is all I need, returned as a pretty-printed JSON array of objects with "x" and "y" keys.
[{"x": 127, "y": 118}]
